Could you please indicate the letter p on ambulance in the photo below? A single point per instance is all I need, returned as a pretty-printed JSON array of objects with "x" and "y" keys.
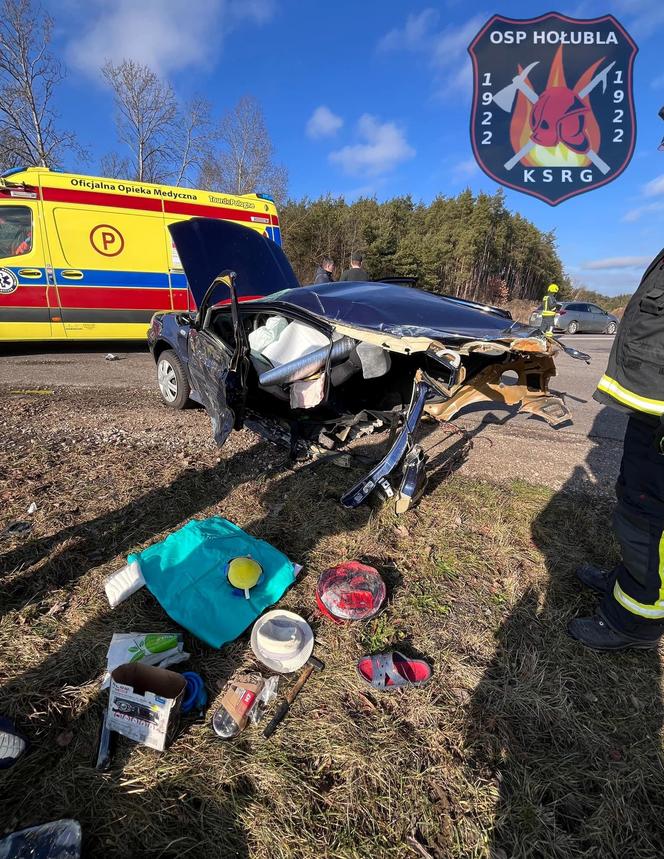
[{"x": 106, "y": 240}]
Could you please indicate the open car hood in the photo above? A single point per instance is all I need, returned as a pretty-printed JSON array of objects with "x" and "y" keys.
[{"x": 207, "y": 246}]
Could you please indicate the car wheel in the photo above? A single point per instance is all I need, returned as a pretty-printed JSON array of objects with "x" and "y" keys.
[
  {"x": 173, "y": 383},
  {"x": 611, "y": 328},
  {"x": 573, "y": 327}
]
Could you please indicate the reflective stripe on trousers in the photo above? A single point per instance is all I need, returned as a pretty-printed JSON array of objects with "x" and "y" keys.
[
  {"x": 635, "y": 605},
  {"x": 654, "y": 611}
]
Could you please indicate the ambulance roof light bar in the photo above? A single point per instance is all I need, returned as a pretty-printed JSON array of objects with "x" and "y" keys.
[{"x": 12, "y": 171}]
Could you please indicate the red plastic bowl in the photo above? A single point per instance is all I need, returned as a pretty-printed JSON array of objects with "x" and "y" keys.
[{"x": 350, "y": 591}]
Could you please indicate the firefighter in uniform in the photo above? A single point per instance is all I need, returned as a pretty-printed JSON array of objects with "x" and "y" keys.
[
  {"x": 631, "y": 613},
  {"x": 550, "y": 306}
]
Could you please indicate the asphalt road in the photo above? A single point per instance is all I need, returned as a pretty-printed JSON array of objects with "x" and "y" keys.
[{"x": 519, "y": 447}]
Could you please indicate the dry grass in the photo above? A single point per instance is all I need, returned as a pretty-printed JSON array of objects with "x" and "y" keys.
[
  {"x": 523, "y": 744},
  {"x": 520, "y": 309}
]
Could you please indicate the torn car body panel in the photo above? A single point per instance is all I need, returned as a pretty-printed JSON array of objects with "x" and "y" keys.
[
  {"x": 318, "y": 366},
  {"x": 530, "y": 392}
]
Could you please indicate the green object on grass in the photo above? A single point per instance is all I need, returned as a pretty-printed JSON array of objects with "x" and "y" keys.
[
  {"x": 187, "y": 574},
  {"x": 157, "y": 643}
]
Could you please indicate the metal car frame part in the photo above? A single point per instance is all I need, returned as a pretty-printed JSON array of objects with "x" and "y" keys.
[{"x": 530, "y": 393}]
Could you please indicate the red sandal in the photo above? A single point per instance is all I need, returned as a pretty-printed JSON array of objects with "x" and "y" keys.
[{"x": 393, "y": 670}]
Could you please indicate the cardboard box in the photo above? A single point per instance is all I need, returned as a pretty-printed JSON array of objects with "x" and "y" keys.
[{"x": 144, "y": 703}]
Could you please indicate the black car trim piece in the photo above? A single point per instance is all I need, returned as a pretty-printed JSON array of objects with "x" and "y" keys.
[
  {"x": 106, "y": 315},
  {"x": 572, "y": 352},
  {"x": 24, "y": 314}
]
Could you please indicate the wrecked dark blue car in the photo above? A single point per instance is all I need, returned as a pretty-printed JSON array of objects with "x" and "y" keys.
[{"x": 315, "y": 367}]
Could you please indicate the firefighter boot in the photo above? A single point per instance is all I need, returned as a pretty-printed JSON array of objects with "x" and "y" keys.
[
  {"x": 594, "y": 577},
  {"x": 594, "y": 632}
]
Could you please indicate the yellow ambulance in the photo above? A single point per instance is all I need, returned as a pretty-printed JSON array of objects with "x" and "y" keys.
[{"x": 83, "y": 257}]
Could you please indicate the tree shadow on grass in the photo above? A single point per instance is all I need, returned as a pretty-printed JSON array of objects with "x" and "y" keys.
[
  {"x": 571, "y": 737},
  {"x": 57, "y": 702},
  {"x": 53, "y": 561}
]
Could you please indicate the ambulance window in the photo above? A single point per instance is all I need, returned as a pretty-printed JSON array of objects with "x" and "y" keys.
[{"x": 15, "y": 230}]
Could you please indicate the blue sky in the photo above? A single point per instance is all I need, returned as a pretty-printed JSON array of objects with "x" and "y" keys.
[{"x": 371, "y": 98}]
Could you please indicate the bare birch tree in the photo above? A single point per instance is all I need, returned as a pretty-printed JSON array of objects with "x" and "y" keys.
[
  {"x": 146, "y": 112},
  {"x": 193, "y": 140},
  {"x": 29, "y": 75},
  {"x": 244, "y": 162}
]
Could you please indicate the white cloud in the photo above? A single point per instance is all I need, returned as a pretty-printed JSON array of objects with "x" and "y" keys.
[
  {"x": 635, "y": 214},
  {"x": 361, "y": 192},
  {"x": 414, "y": 33},
  {"x": 655, "y": 187},
  {"x": 323, "y": 123},
  {"x": 384, "y": 148},
  {"x": 445, "y": 48},
  {"x": 167, "y": 36},
  {"x": 616, "y": 263},
  {"x": 640, "y": 17},
  {"x": 467, "y": 167}
]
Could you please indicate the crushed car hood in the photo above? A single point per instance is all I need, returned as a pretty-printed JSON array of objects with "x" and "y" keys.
[{"x": 401, "y": 311}]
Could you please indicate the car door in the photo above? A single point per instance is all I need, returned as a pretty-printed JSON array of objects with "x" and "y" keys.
[
  {"x": 218, "y": 369},
  {"x": 584, "y": 317},
  {"x": 209, "y": 369},
  {"x": 599, "y": 318}
]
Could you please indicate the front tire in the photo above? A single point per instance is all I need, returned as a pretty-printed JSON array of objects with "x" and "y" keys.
[
  {"x": 573, "y": 328},
  {"x": 172, "y": 380},
  {"x": 611, "y": 328}
]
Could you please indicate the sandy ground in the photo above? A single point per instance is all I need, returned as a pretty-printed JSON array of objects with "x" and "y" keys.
[{"x": 585, "y": 452}]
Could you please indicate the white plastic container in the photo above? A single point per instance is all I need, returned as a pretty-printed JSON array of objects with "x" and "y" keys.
[
  {"x": 307, "y": 393},
  {"x": 121, "y": 585}
]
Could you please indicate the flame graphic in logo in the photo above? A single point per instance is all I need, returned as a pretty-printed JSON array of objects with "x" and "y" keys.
[{"x": 562, "y": 105}]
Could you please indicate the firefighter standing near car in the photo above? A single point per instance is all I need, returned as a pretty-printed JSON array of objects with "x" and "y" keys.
[
  {"x": 550, "y": 306},
  {"x": 631, "y": 612}
]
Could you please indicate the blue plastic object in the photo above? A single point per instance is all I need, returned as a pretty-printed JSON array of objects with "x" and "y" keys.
[
  {"x": 195, "y": 694},
  {"x": 58, "y": 840},
  {"x": 186, "y": 573}
]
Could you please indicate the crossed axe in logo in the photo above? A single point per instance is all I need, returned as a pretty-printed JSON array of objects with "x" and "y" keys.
[{"x": 504, "y": 98}]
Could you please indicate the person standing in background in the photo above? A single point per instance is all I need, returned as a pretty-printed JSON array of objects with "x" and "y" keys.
[
  {"x": 355, "y": 272},
  {"x": 324, "y": 271}
]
